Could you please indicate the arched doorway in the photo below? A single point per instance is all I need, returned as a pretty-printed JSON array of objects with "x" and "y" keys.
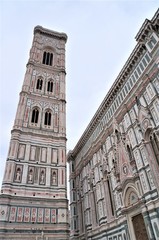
[{"x": 136, "y": 224}]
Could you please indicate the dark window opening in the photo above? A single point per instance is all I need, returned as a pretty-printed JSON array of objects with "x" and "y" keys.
[
  {"x": 73, "y": 184},
  {"x": 130, "y": 153},
  {"x": 117, "y": 134},
  {"x": 50, "y": 86},
  {"x": 47, "y": 118},
  {"x": 74, "y": 196},
  {"x": 73, "y": 167},
  {"x": 155, "y": 146},
  {"x": 47, "y": 58},
  {"x": 39, "y": 84},
  {"x": 35, "y": 115},
  {"x": 74, "y": 211}
]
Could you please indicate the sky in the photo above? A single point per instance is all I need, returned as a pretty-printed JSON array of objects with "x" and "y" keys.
[{"x": 101, "y": 36}]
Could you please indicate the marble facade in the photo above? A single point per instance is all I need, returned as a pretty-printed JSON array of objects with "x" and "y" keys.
[
  {"x": 33, "y": 200},
  {"x": 114, "y": 167}
]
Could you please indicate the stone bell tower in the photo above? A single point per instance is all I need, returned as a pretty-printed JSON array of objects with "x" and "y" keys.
[{"x": 33, "y": 200}]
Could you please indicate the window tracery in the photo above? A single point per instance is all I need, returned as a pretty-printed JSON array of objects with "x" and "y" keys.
[
  {"x": 47, "y": 58},
  {"x": 35, "y": 115},
  {"x": 39, "y": 84},
  {"x": 50, "y": 86},
  {"x": 47, "y": 119}
]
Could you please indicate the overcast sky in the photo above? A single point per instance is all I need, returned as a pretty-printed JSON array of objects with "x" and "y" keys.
[{"x": 101, "y": 36}]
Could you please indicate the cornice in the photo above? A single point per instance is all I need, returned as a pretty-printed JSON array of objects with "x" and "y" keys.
[
  {"x": 47, "y": 68},
  {"x": 45, "y": 31},
  {"x": 35, "y": 132},
  {"x": 147, "y": 26}
]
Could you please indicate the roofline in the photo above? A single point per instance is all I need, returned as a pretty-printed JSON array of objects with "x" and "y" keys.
[
  {"x": 52, "y": 33},
  {"x": 120, "y": 78}
]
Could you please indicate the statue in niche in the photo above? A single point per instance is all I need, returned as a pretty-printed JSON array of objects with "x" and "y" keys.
[
  {"x": 30, "y": 176},
  {"x": 18, "y": 175},
  {"x": 42, "y": 177},
  {"x": 54, "y": 178}
]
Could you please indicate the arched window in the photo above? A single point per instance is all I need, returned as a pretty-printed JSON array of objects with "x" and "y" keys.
[
  {"x": 35, "y": 115},
  {"x": 39, "y": 84},
  {"x": 50, "y": 86},
  {"x": 47, "y": 120},
  {"x": 47, "y": 58}
]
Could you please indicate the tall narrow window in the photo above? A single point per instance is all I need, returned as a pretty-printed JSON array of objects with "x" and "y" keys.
[
  {"x": 35, "y": 115},
  {"x": 110, "y": 197},
  {"x": 39, "y": 84},
  {"x": 50, "y": 86},
  {"x": 155, "y": 146},
  {"x": 47, "y": 58},
  {"x": 130, "y": 153},
  {"x": 47, "y": 120}
]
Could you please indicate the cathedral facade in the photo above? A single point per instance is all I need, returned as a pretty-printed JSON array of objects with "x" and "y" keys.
[
  {"x": 33, "y": 200},
  {"x": 114, "y": 167}
]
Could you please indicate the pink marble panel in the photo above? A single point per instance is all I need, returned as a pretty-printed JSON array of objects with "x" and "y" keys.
[
  {"x": 53, "y": 215},
  {"x": 12, "y": 216},
  {"x": 27, "y": 214}
]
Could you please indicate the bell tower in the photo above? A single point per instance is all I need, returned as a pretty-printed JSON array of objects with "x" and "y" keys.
[{"x": 33, "y": 200}]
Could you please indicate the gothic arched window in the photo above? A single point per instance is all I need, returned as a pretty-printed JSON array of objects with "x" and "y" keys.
[
  {"x": 39, "y": 84},
  {"x": 47, "y": 120},
  {"x": 35, "y": 115},
  {"x": 47, "y": 58},
  {"x": 50, "y": 86}
]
